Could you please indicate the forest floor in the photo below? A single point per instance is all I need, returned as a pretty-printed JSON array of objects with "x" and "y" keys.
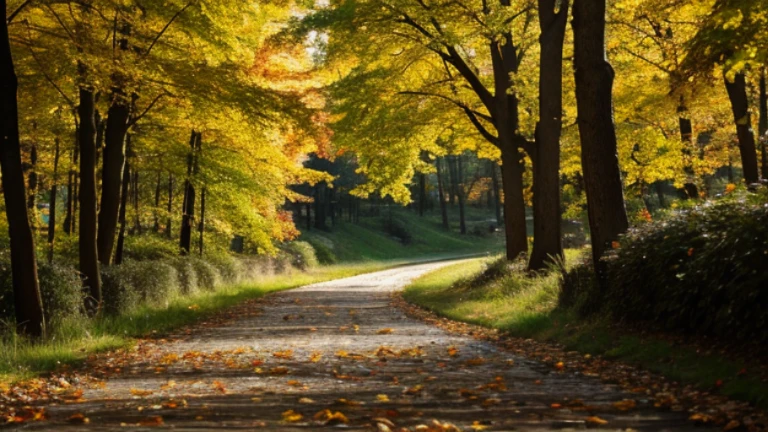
[{"x": 340, "y": 354}]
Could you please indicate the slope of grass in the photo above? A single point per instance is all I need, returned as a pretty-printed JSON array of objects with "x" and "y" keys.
[
  {"x": 367, "y": 240},
  {"x": 20, "y": 359},
  {"x": 527, "y": 307}
]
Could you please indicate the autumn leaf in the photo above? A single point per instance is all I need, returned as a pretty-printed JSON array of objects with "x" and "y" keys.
[
  {"x": 382, "y": 398},
  {"x": 385, "y": 331},
  {"x": 453, "y": 351},
  {"x": 476, "y": 425},
  {"x": 140, "y": 392},
  {"x": 315, "y": 356},
  {"x": 152, "y": 421},
  {"x": 625, "y": 405},
  {"x": 594, "y": 420},
  {"x": 78, "y": 418},
  {"x": 292, "y": 416},
  {"x": 287, "y": 354}
]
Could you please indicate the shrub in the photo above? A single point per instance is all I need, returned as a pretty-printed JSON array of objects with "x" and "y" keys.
[
  {"x": 228, "y": 267},
  {"x": 398, "y": 228},
  {"x": 62, "y": 293},
  {"x": 323, "y": 253},
  {"x": 155, "y": 281},
  {"x": 702, "y": 271},
  {"x": 149, "y": 247},
  {"x": 208, "y": 277},
  {"x": 186, "y": 274},
  {"x": 253, "y": 268},
  {"x": 117, "y": 289},
  {"x": 302, "y": 254}
]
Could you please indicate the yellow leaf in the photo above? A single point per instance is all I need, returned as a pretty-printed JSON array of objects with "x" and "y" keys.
[
  {"x": 385, "y": 331},
  {"x": 382, "y": 398},
  {"x": 594, "y": 420},
  {"x": 292, "y": 416}
]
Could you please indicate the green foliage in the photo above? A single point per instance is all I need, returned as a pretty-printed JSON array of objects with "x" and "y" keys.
[
  {"x": 62, "y": 293},
  {"x": 156, "y": 281},
  {"x": 324, "y": 254},
  {"x": 302, "y": 254},
  {"x": 208, "y": 277},
  {"x": 149, "y": 248},
  {"x": 118, "y": 291},
  {"x": 186, "y": 273},
  {"x": 398, "y": 228},
  {"x": 701, "y": 271},
  {"x": 229, "y": 268}
]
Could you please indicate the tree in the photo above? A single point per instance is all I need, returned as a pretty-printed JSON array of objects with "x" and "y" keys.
[
  {"x": 599, "y": 152},
  {"x": 26, "y": 290}
]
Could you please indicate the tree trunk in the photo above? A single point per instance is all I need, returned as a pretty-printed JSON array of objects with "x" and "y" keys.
[
  {"x": 68, "y": 218},
  {"x": 686, "y": 135},
  {"x": 136, "y": 216},
  {"x": 201, "y": 226},
  {"x": 547, "y": 226},
  {"x": 114, "y": 160},
  {"x": 126, "y": 180},
  {"x": 496, "y": 192},
  {"x": 188, "y": 215},
  {"x": 32, "y": 187},
  {"x": 89, "y": 263},
  {"x": 28, "y": 305},
  {"x": 599, "y": 154},
  {"x": 441, "y": 194},
  {"x": 763, "y": 124},
  {"x": 461, "y": 193},
  {"x": 309, "y": 216},
  {"x": 170, "y": 206},
  {"x": 320, "y": 206},
  {"x": 52, "y": 202},
  {"x": 156, "y": 225},
  {"x": 515, "y": 228},
  {"x": 737, "y": 93}
]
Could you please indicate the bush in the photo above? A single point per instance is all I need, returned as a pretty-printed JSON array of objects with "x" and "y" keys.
[
  {"x": 62, "y": 293},
  {"x": 253, "y": 268},
  {"x": 324, "y": 254},
  {"x": 302, "y": 254},
  {"x": 208, "y": 277},
  {"x": 702, "y": 271},
  {"x": 156, "y": 281},
  {"x": 228, "y": 267},
  {"x": 186, "y": 274},
  {"x": 398, "y": 228},
  {"x": 149, "y": 247},
  {"x": 117, "y": 289}
]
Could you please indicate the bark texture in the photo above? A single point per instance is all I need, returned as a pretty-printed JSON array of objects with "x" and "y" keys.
[{"x": 737, "y": 93}]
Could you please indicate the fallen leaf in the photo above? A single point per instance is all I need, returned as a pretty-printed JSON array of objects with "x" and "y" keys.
[
  {"x": 382, "y": 398},
  {"x": 78, "y": 418},
  {"x": 292, "y": 416},
  {"x": 385, "y": 331},
  {"x": 594, "y": 420},
  {"x": 139, "y": 392},
  {"x": 152, "y": 421}
]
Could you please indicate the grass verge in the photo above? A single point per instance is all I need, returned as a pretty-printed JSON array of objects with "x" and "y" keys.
[
  {"x": 73, "y": 343},
  {"x": 528, "y": 307}
]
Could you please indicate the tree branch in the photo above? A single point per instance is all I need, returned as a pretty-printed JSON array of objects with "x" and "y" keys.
[
  {"x": 159, "y": 35},
  {"x": 149, "y": 107},
  {"x": 17, "y": 11}
]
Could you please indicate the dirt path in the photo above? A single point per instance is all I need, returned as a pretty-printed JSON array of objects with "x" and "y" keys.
[{"x": 341, "y": 346}]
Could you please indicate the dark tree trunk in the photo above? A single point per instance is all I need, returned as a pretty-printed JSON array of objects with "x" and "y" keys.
[
  {"x": 459, "y": 161},
  {"x": 309, "y": 216},
  {"x": 330, "y": 195},
  {"x": 737, "y": 93},
  {"x": 496, "y": 192},
  {"x": 70, "y": 188},
  {"x": 136, "y": 216},
  {"x": 599, "y": 154},
  {"x": 156, "y": 225},
  {"x": 659, "y": 187},
  {"x": 441, "y": 194},
  {"x": 188, "y": 215},
  {"x": 320, "y": 206},
  {"x": 452, "y": 189},
  {"x": 169, "y": 225},
  {"x": 32, "y": 187},
  {"x": 28, "y": 305},
  {"x": 126, "y": 180},
  {"x": 52, "y": 201},
  {"x": 89, "y": 263},
  {"x": 422, "y": 193},
  {"x": 547, "y": 227},
  {"x": 76, "y": 194},
  {"x": 515, "y": 228},
  {"x": 686, "y": 135},
  {"x": 763, "y": 124},
  {"x": 114, "y": 160},
  {"x": 201, "y": 226}
]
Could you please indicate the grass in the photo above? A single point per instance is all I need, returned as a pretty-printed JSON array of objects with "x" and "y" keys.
[
  {"x": 528, "y": 307},
  {"x": 74, "y": 342},
  {"x": 367, "y": 240}
]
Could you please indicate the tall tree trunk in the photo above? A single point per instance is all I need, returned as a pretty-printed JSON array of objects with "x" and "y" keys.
[
  {"x": 737, "y": 93},
  {"x": 309, "y": 216},
  {"x": 422, "y": 193},
  {"x": 451, "y": 181},
  {"x": 76, "y": 194},
  {"x": 126, "y": 180},
  {"x": 156, "y": 225},
  {"x": 496, "y": 192},
  {"x": 201, "y": 226},
  {"x": 686, "y": 135},
  {"x": 320, "y": 205},
  {"x": 599, "y": 154},
  {"x": 763, "y": 124},
  {"x": 32, "y": 187},
  {"x": 114, "y": 160},
  {"x": 169, "y": 227},
  {"x": 52, "y": 201},
  {"x": 547, "y": 226},
  {"x": 441, "y": 194},
  {"x": 515, "y": 229},
  {"x": 89, "y": 262},
  {"x": 70, "y": 187},
  {"x": 136, "y": 215},
  {"x": 461, "y": 193},
  {"x": 188, "y": 215},
  {"x": 28, "y": 305}
]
